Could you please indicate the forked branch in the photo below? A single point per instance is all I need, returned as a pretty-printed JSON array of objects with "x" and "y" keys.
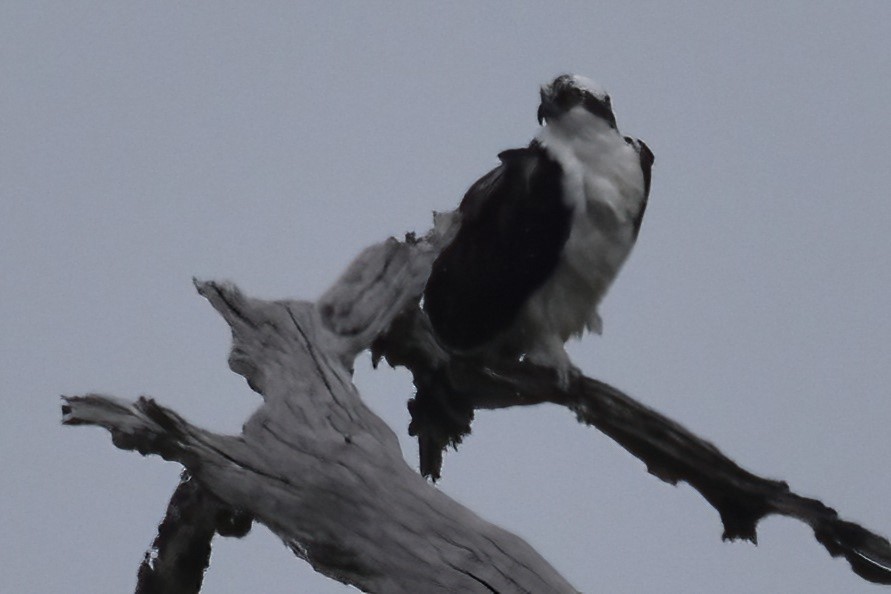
[{"x": 317, "y": 467}]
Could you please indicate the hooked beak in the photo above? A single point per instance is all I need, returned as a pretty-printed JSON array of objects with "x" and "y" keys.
[{"x": 547, "y": 109}]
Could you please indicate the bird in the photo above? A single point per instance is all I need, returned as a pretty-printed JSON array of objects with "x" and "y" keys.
[{"x": 543, "y": 235}]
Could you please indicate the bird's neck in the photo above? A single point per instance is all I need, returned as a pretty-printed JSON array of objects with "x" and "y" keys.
[{"x": 579, "y": 137}]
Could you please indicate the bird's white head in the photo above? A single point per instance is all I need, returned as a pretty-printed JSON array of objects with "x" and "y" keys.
[{"x": 574, "y": 94}]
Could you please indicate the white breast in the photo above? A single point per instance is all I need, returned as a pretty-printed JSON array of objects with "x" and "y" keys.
[{"x": 605, "y": 187}]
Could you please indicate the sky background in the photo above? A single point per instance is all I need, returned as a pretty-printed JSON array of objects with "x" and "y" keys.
[{"x": 144, "y": 143}]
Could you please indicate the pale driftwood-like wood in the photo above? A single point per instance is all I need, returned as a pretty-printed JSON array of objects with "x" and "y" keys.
[
  {"x": 327, "y": 475},
  {"x": 313, "y": 463}
]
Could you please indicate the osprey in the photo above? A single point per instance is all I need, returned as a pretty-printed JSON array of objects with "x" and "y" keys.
[{"x": 543, "y": 235}]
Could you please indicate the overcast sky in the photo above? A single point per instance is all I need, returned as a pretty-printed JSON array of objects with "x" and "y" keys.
[{"x": 144, "y": 143}]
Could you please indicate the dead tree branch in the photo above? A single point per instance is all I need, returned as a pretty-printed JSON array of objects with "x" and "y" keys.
[
  {"x": 670, "y": 452},
  {"x": 316, "y": 466}
]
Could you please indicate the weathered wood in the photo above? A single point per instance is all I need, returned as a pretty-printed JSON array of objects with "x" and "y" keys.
[
  {"x": 380, "y": 283},
  {"x": 315, "y": 465},
  {"x": 670, "y": 452}
]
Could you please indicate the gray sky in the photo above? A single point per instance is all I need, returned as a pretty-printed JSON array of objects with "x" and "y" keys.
[{"x": 144, "y": 143}]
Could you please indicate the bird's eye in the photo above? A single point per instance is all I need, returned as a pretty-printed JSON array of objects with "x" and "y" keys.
[{"x": 606, "y": 99}]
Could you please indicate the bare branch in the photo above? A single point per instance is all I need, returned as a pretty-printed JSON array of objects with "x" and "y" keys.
[
  {"x": 670, "y": 452},
  {"x": 323, "y": 472},
  {"x": 181, "y": 551}
]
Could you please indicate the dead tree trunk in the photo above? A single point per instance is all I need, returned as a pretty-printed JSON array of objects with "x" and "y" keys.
[{"x": 317, "y": 467}]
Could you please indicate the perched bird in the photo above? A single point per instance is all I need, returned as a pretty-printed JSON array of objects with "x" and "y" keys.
[{"x": 543, "y": 235}]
